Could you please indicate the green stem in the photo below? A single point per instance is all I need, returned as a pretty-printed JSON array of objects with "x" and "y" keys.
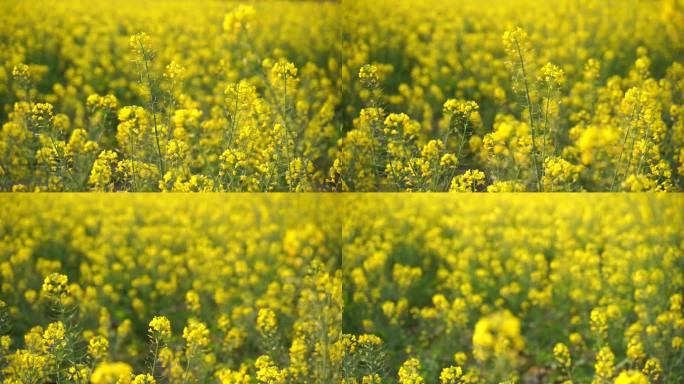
[
  {"x": 546, "y": 120},
  {"x": 529, "y": 108},
  {"x": 622, "y": 151},
  {"x": 153, "y": 108},
  {"x": 463, "y": 135}
]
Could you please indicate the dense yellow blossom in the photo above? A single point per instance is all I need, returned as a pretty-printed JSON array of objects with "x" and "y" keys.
[
  {"x": 631, "y": 377},
  {"x": 573, "y": 85},
  {"x": 409, "y": 372},
  {"x": 250, "y": 289},
  {"x": 160, "y": 327},
  {"x": 570, "y": 288},
  {"x": 141, "y": 84},
  {"x": 266, "y": 321},
  {"x": 341, "y": 95},
  {"x": 98, "y": 347},
  {"x": 56, "y": 285},
  {"x": 108, "y": 373},
  {"x": 497, "y": 335},
  {"x": 450, "y": 375},
  {"x": 145, "y": 289},
  {"x": 562, "y": 355}
]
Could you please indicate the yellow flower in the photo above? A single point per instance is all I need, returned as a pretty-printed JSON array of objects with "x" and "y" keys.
[
  {"x": 559, "y": 174},
  {"x": 460, "y": 358},
  {"x": 160, "y": 327},
  {"x": 102, "y": 172},
  {"x": 78, "y": 374},
  {"x": 111, "y": 373},
  {"x": 604, "y": 366},
  {"x": 394, "y": 122},
  {"x": 552, "y": 75},
  {"x": 368, "y": 74},
  {"x": 239, "y": 19},
  {"x": 267, "y": 372},
  {"x": 141, "y": 45},
  {"x": 458, "y": 108},
  {"x": 23, "y": 362},
  {"x": 515, "y": 40},
  {"x": 267, "y": 322},
  {"x": 598, "y": 323},
  {"x": 369, "y": 339},
  {"x": 371, "y": 379},
  {"x": 284, "y": 70},
  {"x": 174, "y": 71},
  {"x": 229, "y": 376},
  {"x": 497, "y": 334},
  {"x": 469, "y": 181},
  {"x": 107, "y": 102},
  {"x": 21, "y": 73},
  {"x": 450, "y": 375},
  {"x": 192, "y": 301},
  {"x": 562, "y": 355},
  {"x": 631, "y": 377},
  {"x": 653, "y": 369},
  {"x": 196, "y": 335},
  {"x": 54, "y": 337},
  {"x": 575, "y": 339},
  {"x": 409, "y": 372},
  {"x": 635, "y": 350},
  {"x": 42, "y": 113},
  {"x": 97, "y": 347},
  {"x": 143, "y": 379}
]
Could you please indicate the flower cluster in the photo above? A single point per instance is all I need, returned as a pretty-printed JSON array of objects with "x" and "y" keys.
[
  {"x": 133, "y": 107},
  {"x": 172, "y": 290},
  {"x": 582, "y": 288},
  {"x": 547, "y": 109},
  {"x": 534, "y": 99}
]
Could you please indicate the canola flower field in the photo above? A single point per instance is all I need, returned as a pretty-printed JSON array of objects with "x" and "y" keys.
[
  {"x": 356, "y": 96},
  {"x": 323, "y": 288},
  {"x": 508, "y": 289},
  {"x": 457, "y": 95},
  {"x": 140, "y": 289}
]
